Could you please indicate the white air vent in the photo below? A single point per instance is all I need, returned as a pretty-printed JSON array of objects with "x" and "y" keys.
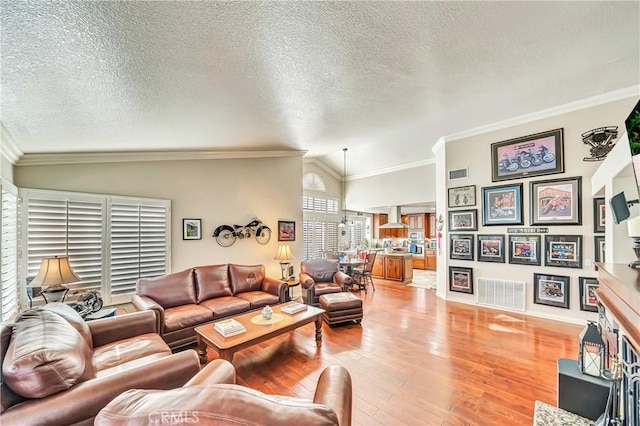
[
  {"x": 458, "y": 174},
  {"x": 503, "y": 294}
]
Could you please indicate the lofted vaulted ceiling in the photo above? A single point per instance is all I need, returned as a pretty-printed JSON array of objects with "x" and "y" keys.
[{"x": 385, "y": 79}]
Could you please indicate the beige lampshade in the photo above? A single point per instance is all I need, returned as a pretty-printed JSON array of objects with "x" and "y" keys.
[
  {"x": 54, "y": 272},
  {"x": 284, "y": 253}
]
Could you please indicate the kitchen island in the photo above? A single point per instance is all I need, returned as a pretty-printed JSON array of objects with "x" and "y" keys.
[{"x": 393, "y": 267}]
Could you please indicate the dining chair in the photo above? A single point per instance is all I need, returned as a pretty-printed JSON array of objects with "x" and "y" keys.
[{"x": 362, "y": 276}]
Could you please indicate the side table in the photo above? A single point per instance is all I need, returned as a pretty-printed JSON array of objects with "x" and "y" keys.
[
  {"x": 102, "y": 313},
  {"x": 292, "y": 283},
  {"x": 581, "y": 393}
]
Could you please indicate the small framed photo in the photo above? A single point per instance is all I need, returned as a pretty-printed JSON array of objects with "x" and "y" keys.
[
  {"x": 491, "y": 248},
  {"x": 527, "y": 156},
  {"x": 502, "y": 205},
  {"x": 461, "y": 246},
  {"x": 598, "y": 245},
  {"x": 462, "y": 196},
  {"x": 286, "y": 230},
  {"x": 191, "y": 229},
  {"x": 463, "y": 220},
  {"x": 525, "y": 249},
  {"x": 588, "y": 301},
  {"x": 598, "y": 215},
  {"x": 556, "y": 202},
  {"x": 461, "y": 279},
  {"x": 563, "y": 250},
  {"x": 551, "y": 290}
]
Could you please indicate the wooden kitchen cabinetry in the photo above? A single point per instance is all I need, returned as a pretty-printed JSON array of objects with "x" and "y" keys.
[
  {"x": 430, "y": 259},
  {"x": 418, "y": 262},
  {"x": 393, "y": 267},
  {"x": 415, "y": 222},
  {"x": 382, "y": 219}
]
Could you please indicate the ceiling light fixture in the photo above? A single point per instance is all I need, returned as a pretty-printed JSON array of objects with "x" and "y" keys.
[{"x": 343, "y": 222}]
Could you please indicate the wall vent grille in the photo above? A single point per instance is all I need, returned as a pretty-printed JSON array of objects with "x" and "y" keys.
[
  {"x": 503, "y": 294},
  {"x": 458, "y": 174}
]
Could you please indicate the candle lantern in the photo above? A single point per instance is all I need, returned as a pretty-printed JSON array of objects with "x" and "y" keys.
[{"x": 591, "y": 359}]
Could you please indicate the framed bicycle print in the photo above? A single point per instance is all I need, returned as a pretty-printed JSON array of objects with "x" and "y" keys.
[
  {"x": 563, "y": 250},
  {"x": 588, "y": 301},
  {"x": 599, "y": 207},
  {"x": 463, "y": 220},
  {"x": 551, "y": 290},
  {"x": 527, "y": 156},
  {"x": 524, "y": 249},
  {"x": 461, "y": 279},
  {"x": 461, "y": 246},
  {"x": 502, "y": 205},
  {"x": 462, "y": 196},
  {"x": 491, "y": 248},
  {"x": 556, "y": 202}
]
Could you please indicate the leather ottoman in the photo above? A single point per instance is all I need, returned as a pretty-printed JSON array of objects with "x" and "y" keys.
[{"x": 341, "y": 307}]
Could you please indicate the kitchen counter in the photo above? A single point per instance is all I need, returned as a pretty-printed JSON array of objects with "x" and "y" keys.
[{"x": 393, "y": 267}]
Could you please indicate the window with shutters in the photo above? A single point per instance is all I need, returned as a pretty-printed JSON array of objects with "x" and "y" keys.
[
  {"x": 320, "y": 221},
  {"x": 110, "y": 241},
  {"x": 357, "y": 230},
  {"x": 9, "y": 300}
]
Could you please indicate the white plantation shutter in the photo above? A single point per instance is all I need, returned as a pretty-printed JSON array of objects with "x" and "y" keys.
[
  {"x": 139, "y": 242},
  {"x": 110, "y": 241},
  {"x": 9, "y": 251}
]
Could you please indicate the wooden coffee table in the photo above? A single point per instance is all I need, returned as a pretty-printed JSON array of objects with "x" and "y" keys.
[{"x": 208, "y": 337}]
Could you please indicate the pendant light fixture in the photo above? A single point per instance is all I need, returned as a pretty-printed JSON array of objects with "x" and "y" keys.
[{"x": 343, "y": 222}]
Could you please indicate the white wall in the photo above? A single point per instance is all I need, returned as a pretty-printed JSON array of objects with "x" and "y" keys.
[
  {"x": 475, "y": 154},
  {"x": 217, "y": 191}
]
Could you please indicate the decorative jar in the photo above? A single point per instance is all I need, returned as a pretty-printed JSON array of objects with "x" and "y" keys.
[{"x": 267, "y": 312}]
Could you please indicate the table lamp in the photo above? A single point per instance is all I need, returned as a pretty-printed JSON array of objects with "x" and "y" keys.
[
  {"x": 633, "y": 226},
  {"x": 284, "y": 255},
  {"x": 54, "y": 273}
]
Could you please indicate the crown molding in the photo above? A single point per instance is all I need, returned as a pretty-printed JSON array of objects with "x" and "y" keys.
[
  {"x": 550, "y": 112},
  {"x": 323, "y": 166},
  {"x": 393, "y": 169},
  {"x": 439, "y": 144},
  {"x": 123, "y": 156},
  {"x": 8, "y": 146}
]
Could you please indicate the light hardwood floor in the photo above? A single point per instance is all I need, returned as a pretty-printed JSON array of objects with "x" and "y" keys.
[{"x": 418, "y": 360}]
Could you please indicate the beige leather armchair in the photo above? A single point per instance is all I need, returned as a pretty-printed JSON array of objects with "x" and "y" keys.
[
  {"x": 211, "y": 397},
  {"x": 322, "y": 276}
]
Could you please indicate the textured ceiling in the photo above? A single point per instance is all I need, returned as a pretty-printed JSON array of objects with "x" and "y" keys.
[{"x": 385, "y": 79}]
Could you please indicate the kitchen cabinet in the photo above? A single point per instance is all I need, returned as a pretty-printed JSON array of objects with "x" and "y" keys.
[
  {"x": 432, "y": 225},
  {"x": 418, "y": 262},
  {"x": 430, "y": 259},
  {"x": 415, "y": 222},
  {"x": 393, "y": 267},
  {"x": 382, "y": 219}
]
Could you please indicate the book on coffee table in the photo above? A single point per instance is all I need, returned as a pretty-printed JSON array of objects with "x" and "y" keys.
[
  {"x": 294, "y": 308},
  {"x": 229, "y": 327}
]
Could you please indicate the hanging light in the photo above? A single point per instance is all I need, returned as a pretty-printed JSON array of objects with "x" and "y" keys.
[{"x": 343, "y": 222}]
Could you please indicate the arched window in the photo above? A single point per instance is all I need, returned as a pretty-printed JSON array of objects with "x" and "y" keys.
[
  {"x": 313, "y": 182},
  {"x": 320, "y": 218}
]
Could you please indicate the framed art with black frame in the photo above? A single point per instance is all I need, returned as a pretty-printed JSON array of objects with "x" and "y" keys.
[
  {"x": 527, "y": 156},
  {"x": 599, "y": 207},
  {"x": 463, "y": 220},
  {"x": 462, "y": 196},
  {"x": 588, "y": 301},
  {"x": 563, "y": 250},
  {"x": 556, "y": 202},
  {"x": 461, "y": 279},
  {"x": 461, "y": 246},
  {"x": 525, "y": 249},
  {"x": 551, "y": 290},
  {"x": 491, "y": 248},
  {"x": 286, "y": 230},
  {"x": 191, "y": 229},
  {"x": 598, "y": 248},
  {"x": 502, "y": 205}
]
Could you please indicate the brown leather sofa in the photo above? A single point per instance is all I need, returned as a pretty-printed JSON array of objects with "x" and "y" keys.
[
  {"x": 59, "y": 370},
  {"x": 213, "y": 398},
  {"x": 185, "y": 300},
  {"x": 322, "y": 276}
]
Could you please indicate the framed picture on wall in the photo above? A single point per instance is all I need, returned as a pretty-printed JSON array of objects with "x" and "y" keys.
[
  {"x": 551, "y": 290},
  {"x": 556, "y": 202},
  {"x": 461, "y": 246},
  {"x": 599, "y": 207},
  {"x": 286, "y": 230},
  {"x": 491, "y": 248},
  {"x": 502, "y": 205},
  {"x": 463, "y": 220},
  {"x": 588, "y": 301},
  {"x": 461, "y": 279},
  {"x": 462, "y": 196},
  {"x": 527, "y": 156},
  {"x": 598, "y": 245},
  {"x": 524, "y": 249},
  {"x": 191, "y": 229},
  {"x": 563, "y": 250}
]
